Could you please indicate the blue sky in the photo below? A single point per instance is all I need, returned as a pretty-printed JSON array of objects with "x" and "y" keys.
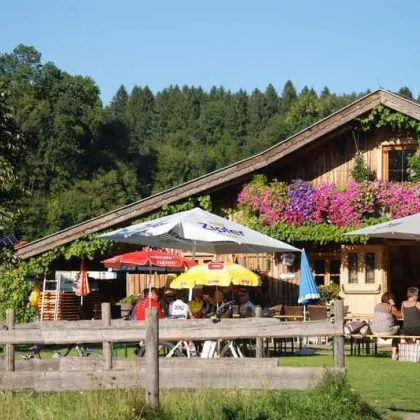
[{"x": 348, "y": 46}]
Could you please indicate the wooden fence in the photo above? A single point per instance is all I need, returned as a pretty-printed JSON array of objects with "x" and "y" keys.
[{"x": 152, "y": 372}]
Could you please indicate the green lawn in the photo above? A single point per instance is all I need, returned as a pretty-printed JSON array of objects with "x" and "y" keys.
[{"x": 380, "y": 381}]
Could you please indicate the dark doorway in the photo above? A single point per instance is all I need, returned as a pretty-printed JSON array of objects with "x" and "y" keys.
[{"x": 404, "y": 270}]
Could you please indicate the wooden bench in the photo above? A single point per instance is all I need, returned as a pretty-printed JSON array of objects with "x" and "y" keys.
[{"x": 365, "y": 341}]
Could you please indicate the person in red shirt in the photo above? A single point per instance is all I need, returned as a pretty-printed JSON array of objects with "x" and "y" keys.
[{"x": 143, "y": 304}]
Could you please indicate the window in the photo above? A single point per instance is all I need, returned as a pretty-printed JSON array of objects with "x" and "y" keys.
[
  {"x": 370, "y": 267},
  {"x": 395, "y": 162},
  {"x": 335, "y": 268},
  {"x": 326, "y": 269},
  {"x": 352, "y": 261},
  {"x": 363, "y": 265},
  {"x": 319, "y": 272}
]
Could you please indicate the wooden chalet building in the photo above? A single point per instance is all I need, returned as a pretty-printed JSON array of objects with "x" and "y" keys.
[{"x": 324, "y": 152}]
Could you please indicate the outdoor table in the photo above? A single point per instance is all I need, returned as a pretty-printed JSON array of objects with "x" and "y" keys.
[{"x": 289, "y": 317}]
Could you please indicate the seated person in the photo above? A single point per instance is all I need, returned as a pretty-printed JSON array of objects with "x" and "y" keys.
[
  {"x": 178, "y": 308},
  {"x": 146, "y": 302},
  {"x": 198, "y": 307},
  {"x": 410, "y": 310},
  {"x": 168, "y": 297},
  {"x": 384, "y": 320},
  {"x": 246, "y": 308}
]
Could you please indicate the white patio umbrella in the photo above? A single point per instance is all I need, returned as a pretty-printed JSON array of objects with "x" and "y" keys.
[
  {"x": 403, "y": 228},
  {"x": 199, "y": 230}
]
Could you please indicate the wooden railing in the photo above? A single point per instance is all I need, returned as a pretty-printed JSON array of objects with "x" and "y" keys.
[{"x": 152, "y": 372}]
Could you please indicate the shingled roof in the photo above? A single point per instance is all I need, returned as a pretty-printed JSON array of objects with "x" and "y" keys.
[{"x": 226, "y": 175}]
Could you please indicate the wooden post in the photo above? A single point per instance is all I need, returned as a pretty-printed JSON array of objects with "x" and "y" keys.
[
  {"x": 10, "y": 348},
  {"x": 152, "y": 358},
  {"x": 259, "y": 340},
  {"x": 339, "y": 339},
  {"x": 106, "y": 345}
]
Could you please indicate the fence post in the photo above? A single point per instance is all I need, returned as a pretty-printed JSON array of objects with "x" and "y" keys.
[
  {"x": 152, "y": 358},
  {"x": 106, "y": 345},
  {"x": 258, "y": 340},
  {"x": 10, "y": 348},
  {"x": 339, "y": 339}
]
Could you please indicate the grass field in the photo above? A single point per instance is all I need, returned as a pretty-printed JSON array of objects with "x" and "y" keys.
[
  {"x": 332, "y": 400},
  {"x": 382, "y": 383}
]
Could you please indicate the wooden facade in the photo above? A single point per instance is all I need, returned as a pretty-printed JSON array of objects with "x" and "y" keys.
[{"x": 333, "y": 160}]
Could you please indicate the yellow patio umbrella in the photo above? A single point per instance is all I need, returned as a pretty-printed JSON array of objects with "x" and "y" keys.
[{"x": 216, "y": 273}]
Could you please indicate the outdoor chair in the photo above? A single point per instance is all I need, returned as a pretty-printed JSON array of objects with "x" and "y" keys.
[
  {"x": 293, "y": 313},
  {"x": 317, "y": 313},
  {"x": 277, "y": 309}
]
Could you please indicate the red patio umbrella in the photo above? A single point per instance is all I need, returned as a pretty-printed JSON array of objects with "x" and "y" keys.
[
  {"x": 148, "y": 259},
  {"x": 82, "y": 285}
]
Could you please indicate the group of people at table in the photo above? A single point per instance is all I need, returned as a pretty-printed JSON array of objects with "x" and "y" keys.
[
  {"x": 386, "y": 316},
  {"x": 173, "y": 305}
]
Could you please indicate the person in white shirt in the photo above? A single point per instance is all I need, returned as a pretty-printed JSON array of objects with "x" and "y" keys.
[{"x": 178, "y": 308}]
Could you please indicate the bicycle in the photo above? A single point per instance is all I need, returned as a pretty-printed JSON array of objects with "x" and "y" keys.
[
  {"x": 166, "y": 349},
  {"x": 230, "y": 348},
  {"x": 78, "y": 350},
  {"x": 185, "y": 348},
  {"x": 35, "y": 353}
]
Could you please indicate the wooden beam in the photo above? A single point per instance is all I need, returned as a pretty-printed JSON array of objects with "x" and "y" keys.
[
  {"x": 106, "y": 345},
  {"x": 152, "y": 358},
  {"x": 259, "y": 341},
  {"x": 171, "y": 330},
  {"x": 213, "y": 373},
  {"x": 339, "y": 339},
  {"x": 10, "y": 348},
  {"x": 86, "y": 364}
]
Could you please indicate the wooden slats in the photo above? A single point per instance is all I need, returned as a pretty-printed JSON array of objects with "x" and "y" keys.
[
  {"x": 81, "y": 374},
  {"x": 173, "y": 330}
]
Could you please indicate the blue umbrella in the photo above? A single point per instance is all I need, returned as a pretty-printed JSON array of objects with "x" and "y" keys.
[{"x": 308, "y": 290}]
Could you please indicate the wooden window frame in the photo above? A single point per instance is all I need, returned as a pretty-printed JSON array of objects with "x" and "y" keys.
[
  {"x": 327, "y": 259},
  {"x": 361, "y": 251},
  {"x": 357, "y": 255},
  {"x": 385, "y": 156},
  {"x": 365, "y": 254}
]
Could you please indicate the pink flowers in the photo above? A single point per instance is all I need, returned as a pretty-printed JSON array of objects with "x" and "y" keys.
[{"x": 299, "y": 203}]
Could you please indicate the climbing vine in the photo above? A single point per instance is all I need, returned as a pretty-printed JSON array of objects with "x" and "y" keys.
[{"x": 382, "y": 117}]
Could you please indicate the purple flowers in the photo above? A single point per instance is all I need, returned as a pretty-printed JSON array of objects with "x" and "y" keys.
[{"x": 300, "y": 203}]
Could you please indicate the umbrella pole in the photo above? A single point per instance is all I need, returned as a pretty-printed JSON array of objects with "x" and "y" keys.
[
  {"x": 190, "y": 291},
  {"x": 150, "y": 284},
  {"x": 303, "y": 341}
]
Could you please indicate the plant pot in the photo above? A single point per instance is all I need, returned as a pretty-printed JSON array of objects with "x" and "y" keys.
[{"x": 126, "y": 309}]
